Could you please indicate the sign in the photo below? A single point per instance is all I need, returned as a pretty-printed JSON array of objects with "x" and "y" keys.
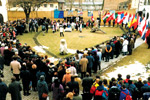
[
  {"x": 90, "y": 13},
  {"x": 58, "y": 14},
  {"x": 70, "y": 13},
  {"x": 80, "y": 13}
]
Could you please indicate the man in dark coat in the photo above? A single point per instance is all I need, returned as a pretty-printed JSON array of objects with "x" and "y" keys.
[
  {"x": 42, "y": 87},
  {"x": 73, "y": 85},
  {"x": 87, "y": 83},
  {"x": 90, "y": 62},
  {"x": 148, "y": 41},
  {"x": 3, "y": 90},
  {"x": 14, "y": 89},
  {"x": 117, "y": 47},
  {"x": 114, "y": 92},
  {"x": 25, "y": 75},
  {"x": 1, "y": 62},
  {"x": 145, "y": 88},
  {"x": 139, "y": 84}
]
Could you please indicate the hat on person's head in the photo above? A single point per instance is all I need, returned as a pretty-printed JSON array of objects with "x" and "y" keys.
[
  {"x": 2, "y": 44},
  {"x": 6, "y": 48},
  {"x": 75, "y": 75},
  {"x": 67, "y": 71},
  {"x": 70, "y": 95}
]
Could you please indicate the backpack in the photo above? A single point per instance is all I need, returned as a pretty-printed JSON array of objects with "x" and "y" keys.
[
  {"x": 92, "y": 90},
  {"x": 102, "y": 93},
  {"x": 128, "y": 97}
]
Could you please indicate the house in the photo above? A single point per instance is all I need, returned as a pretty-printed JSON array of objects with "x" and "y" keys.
[
  {"x": 3, "y": 11},
  {"x": 50, "y": 5},
  {"x": 84, "y": 5}
]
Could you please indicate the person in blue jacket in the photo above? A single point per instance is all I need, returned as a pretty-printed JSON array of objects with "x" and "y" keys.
[{"x": 124, "y": 90}]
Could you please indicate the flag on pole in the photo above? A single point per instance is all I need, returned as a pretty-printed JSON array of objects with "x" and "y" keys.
[
  {"x": 92, "y": 18},
  {"x": 106, "y": 16},
  {"x": 130, "y": 20},
  {"x": 124, "y": 17},
  {"x": 111, "y": 17},
  {"x": 126, "y": 20},
  {"x": 120, "y": 16}
]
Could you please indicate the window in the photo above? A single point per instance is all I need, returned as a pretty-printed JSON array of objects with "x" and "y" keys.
[
  {"x": 148, "y": 2},
  {"x": 51, "y": 5},
  {"x": 45, "y": 5},
  {"x": 0, "y": 3}
]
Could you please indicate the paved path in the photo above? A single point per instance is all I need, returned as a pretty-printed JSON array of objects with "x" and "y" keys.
[{"x": 34, "y": 95}]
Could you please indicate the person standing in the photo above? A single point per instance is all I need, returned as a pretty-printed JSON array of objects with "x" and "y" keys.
[
  {"x": 96, "y": 60},
  {"x": 1, "y": 62},
  {"x": 87, "y": 83},
  {"x": 125, "y": 46},
  {"x": 25, "y": 76},
  {"x": 57, "y": 90},
  {"x": 83, "y": 63},
  {"x": 14, "y": 89},
  {"x": 3, "y": 90},
  {"x": 90, "y": 63},
  {"x": 61, "y": 30},
  {"x": 80, "y": 27},
  {"x": 15, "y": 67},
  {"x": 99, "y": 53},
  {"x": 108, "y": 49},
  {"x": 43, "y": 29},
  {"x": 42, "y": 88},
  {"x": 148, "y": 41}
]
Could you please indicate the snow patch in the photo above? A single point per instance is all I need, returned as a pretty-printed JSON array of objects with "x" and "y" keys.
[
  {"x": 72, "y": 51},
  {"x": 135, "y": 70},
  {"x": 52, "y": 59},
  {"x": 40, "y": 48}
]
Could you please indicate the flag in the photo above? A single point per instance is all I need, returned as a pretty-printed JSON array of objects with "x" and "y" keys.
[
  {"x": 126, "y": 20},
  {"x": 130, "y": 20},
  {"x": 106, "y": 16},
  {"x": 92, "y": 18},
  {"x": 111, "y": 17},
  {"x": 134, "y": 22},
  {"x": 120, "y": 16},
  {"x": 124, "y": 17},
  {"x": 143, "y": 28},
  {"x": 116, "y": 17}
]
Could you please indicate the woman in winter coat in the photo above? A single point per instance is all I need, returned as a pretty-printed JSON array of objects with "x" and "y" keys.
[
  {"x": 57, "y": 90},
  {"x": 42, "y": 87}
]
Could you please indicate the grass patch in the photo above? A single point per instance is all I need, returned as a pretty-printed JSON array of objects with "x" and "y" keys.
[{"x": 76, "y": 40}]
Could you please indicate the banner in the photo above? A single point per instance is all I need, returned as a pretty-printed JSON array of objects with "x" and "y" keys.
[
  {"x": 80, "y": 13},
  {"x": 90, "y": 13},
  {"x": 58, "y": 14},
  {"x": 70, "y": 13}
]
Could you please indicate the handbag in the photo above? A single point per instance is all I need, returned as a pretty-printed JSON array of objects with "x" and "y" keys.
[{"x": 44, "y": 95}]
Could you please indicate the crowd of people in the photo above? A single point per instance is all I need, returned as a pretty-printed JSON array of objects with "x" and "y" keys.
[{"x": 38, "y": 73}]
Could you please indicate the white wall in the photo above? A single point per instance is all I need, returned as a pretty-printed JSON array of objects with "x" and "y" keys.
[
  {"x": 42, "y": 8},
  {"x": 3, "y": 10}
]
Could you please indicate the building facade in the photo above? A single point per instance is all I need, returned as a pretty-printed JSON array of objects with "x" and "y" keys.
[
  {"x": 3, "y": 11},
  {"x": 48, "y": 6},
  {"x": 85, "y": 5}
]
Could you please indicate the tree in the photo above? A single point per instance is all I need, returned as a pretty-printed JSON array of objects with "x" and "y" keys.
[{"x": 27, "y": 5}]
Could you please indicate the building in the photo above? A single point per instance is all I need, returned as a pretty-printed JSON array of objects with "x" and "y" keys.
[
  {"x": 144, "y": 8},
  {"x": 85, "y": 5},
  {"x": 116, "y": 4},
  {"x": 50, "y": 5},
  {"x": 3, "y": 11}
]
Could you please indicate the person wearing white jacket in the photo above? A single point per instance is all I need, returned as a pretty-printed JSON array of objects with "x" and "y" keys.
[
  {"x": 125, "y": 46},
  {"x": 61, "y": 30}
]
